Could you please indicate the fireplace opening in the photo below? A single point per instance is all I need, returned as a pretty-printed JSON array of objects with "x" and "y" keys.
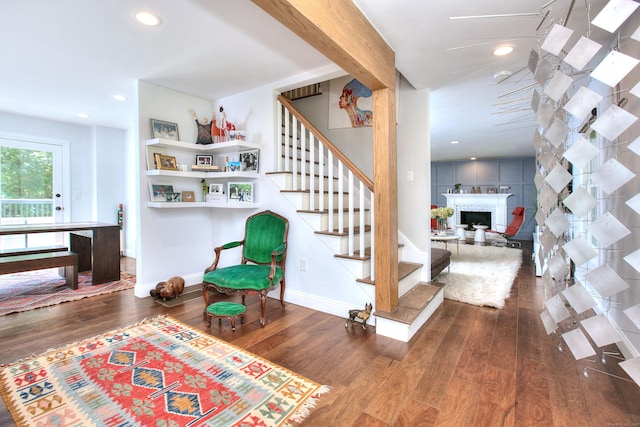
[{"x": 472, "y": 218}]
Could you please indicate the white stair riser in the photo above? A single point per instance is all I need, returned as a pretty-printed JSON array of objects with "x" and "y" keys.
[
  {"x": 302, "y": 200},
  {"x": 408, "y": 282},
  {"x": 340, "y": 244},
  {"x": 359, "y": 269},
  {"x": 320, "y": 221}
]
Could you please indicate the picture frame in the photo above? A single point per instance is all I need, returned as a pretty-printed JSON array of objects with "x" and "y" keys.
[
  {"x": 233, "y": 166},
  {"x": 237, "y": 135},
  {"x": 174, "y": 197},
  {"x": 491, "y": 190},
  {"x": 167, "y": 162},
  {"x": 216, "y": 188},
  {"x": 249, "y": 160},
  {"x": 188, "y": 196},
  {"x": 204, "y": 159},
  {"x": 166, "y": 130},
  {"x": 240, "y": 192},
  {"x": 158, "y": 192}
]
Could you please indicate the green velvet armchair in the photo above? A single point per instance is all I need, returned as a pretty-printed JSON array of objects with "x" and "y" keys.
[{"x": 261, "y": 269}]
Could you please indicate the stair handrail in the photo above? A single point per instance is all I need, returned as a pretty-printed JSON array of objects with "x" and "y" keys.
[{"x": 327, "y": 143}]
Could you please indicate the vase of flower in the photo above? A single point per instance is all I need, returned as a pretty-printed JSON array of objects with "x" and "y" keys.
[{"x": 441, "y": 215}]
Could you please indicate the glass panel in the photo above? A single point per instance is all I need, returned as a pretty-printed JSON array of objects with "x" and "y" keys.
[
  {"x": 633, "y": 313},
  {"x": 634, "y": 203},
  {"x": 611, "y": 176},
  {"x": 605, "y": 281},
  {"x": 549, "y": 325},
  {"x": 557, "y": 38},
  {"x": 582, "y": 52},
  {"x": 613, "y": 68},
  {"x": 614, "y": 14},
  {"x": 635, "y": 146},
  {"x": 581, "y": 104},
  {"x": 557, "y": 310},
  {"x": 558, "y": 86},
  {"x": 581, "y": 152},
  {"x": 580, "y": 202},
  {"x": 613, "y": 122},
  {"x": 557, "y": 223},
  {"x": 608, "y": 230},
  {"x": 601, "y": 331},
  {"x": 632, "y": 368},
  {"x": 557, "y": 266},
  {"x": 557, "y": 132},
  {"x": 633, "y": 259},
  {"x": 579, "y": 298},
  {"x": 579, "y": 250},
  {"x": 578, "y": 344},
  {"x": 558, "y": 178}
]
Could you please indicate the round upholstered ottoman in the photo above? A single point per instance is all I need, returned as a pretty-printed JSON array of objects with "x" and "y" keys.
[{"x": 227, "y": 310}]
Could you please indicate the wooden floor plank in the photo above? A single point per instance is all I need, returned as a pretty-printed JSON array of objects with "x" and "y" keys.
[{"x": 453, "y": 371}]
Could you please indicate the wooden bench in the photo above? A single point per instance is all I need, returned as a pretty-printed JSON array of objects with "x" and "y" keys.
[
  {"x": 34, "y": 250},
  {"x": 40, "y": 261}
]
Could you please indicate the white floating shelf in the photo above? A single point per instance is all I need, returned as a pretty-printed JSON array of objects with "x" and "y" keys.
[
  {"x": 175, "y": 205},
  {"x": 218, "y": 147},
  {"x": 209, "y": 175}
]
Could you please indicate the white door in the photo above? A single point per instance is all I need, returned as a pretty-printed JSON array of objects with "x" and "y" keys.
[{"x": 31, "y": 188}]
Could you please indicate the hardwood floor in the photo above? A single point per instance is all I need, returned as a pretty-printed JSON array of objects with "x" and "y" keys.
[{"x": 468, "y": 366}]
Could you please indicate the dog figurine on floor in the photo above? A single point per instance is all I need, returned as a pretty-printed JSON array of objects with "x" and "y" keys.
[
  {"x": 171, "y": 288},
  {"x": 360, "y": 314}
]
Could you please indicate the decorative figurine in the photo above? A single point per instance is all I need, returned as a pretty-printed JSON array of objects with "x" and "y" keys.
[
  {"x": 360, "y": 314},
  {"x": 172, "y": 288},
  {"x": 204, "y": 129}
]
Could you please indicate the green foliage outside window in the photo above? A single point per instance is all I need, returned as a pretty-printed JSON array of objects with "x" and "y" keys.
[{"x": 25, "y": 174}]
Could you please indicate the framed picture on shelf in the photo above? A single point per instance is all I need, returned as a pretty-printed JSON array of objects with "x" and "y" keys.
[
  {"x": 216, "y": 188},
  {"x": 249, "y": 160},
  {"x": 240, "y": 192},
  {"x": 204, "y": 159},
  {"x": 162, "y": 129},
  {"x": 237, "y": 135},
  {"x": 174, "y": 197},
  {"x": 233, "y": 166},
  {"x": 491, "y": 190},
  {"x": 188, "y": 196},
  {"x": 167, "y": 162},
  {"x": 158, "y": 192}
]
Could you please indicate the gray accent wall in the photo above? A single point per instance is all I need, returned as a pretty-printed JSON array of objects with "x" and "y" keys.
[{"x": 516, "y": 173}]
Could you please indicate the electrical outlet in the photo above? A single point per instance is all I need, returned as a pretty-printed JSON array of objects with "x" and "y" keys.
[
  {"x": 409, "y": 175},
  {"x": 303, "y": 264}
]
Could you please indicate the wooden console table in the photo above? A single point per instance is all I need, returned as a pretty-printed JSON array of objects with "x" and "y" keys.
[{"x": 105, "y": 244}]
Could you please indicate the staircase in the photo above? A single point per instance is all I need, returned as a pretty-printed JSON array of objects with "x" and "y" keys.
[{"x": 336, "y": 199}]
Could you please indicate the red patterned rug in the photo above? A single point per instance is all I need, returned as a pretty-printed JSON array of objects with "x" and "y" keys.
[
  {"x": 160, "y": 372},
  {"x": 35, "y": 289}
]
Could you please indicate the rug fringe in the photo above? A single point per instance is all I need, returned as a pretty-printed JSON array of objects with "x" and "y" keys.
[{"x": 303, "y": 412}]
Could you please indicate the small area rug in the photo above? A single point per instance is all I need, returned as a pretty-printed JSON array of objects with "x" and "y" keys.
[
  {"x": 42, "y": 288},
  {"x": 483, "y": 275},
  {"x": 160, "y": 372}
]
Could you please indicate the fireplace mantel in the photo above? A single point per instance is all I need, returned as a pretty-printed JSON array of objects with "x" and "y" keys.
[{"x": 494, "y": 203}]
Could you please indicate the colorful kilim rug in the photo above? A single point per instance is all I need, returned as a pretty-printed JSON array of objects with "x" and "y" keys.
[
  {"x": 35, "y": 289},
  {"x": 160, "y": 372}
]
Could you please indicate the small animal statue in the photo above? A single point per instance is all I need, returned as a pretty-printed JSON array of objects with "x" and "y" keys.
[
  {"x": 360, "y": 314},
  {"x": 171, "y": 288},
  {"x": 217, "y": 134}
]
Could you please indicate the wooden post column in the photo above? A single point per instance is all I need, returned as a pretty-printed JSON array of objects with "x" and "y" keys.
[{"x": 339, "y": 30}]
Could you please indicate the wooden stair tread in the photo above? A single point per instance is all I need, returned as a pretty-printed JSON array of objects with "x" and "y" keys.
[
  {"x": 404, "y": 269},
  {"x": 345, "y": 231},
  {"x": 411, "y": 304}
]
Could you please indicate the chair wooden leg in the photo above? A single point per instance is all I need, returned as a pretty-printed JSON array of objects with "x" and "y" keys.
[
  {"x": 282, "y": 286},
  {"x": 205, "y": 296},
  {"x": 263, "y": 308}
]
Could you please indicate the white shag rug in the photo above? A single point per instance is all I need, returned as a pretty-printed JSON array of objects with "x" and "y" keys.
[{"x": 482, "y": 276}]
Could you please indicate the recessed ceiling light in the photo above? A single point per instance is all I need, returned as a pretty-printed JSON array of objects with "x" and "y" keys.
[
  {"x": 472, "y": 158},
  {"x": 147, "y": 18},
  {"x": 455, "y": 142},
  {"x": 83, "y": 115},
  {"x": 119, "y": 97},
  {"x": 503, "y": 50}
]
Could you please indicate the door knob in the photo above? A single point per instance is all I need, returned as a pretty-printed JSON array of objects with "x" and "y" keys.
[{"x": 58, "y": 208}]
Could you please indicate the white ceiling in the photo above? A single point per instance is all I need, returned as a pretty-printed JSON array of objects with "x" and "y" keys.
[{"x": 67, "y": 56}]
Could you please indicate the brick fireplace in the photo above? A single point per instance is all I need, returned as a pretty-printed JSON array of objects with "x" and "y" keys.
[{"x": 494, "y": 204}]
